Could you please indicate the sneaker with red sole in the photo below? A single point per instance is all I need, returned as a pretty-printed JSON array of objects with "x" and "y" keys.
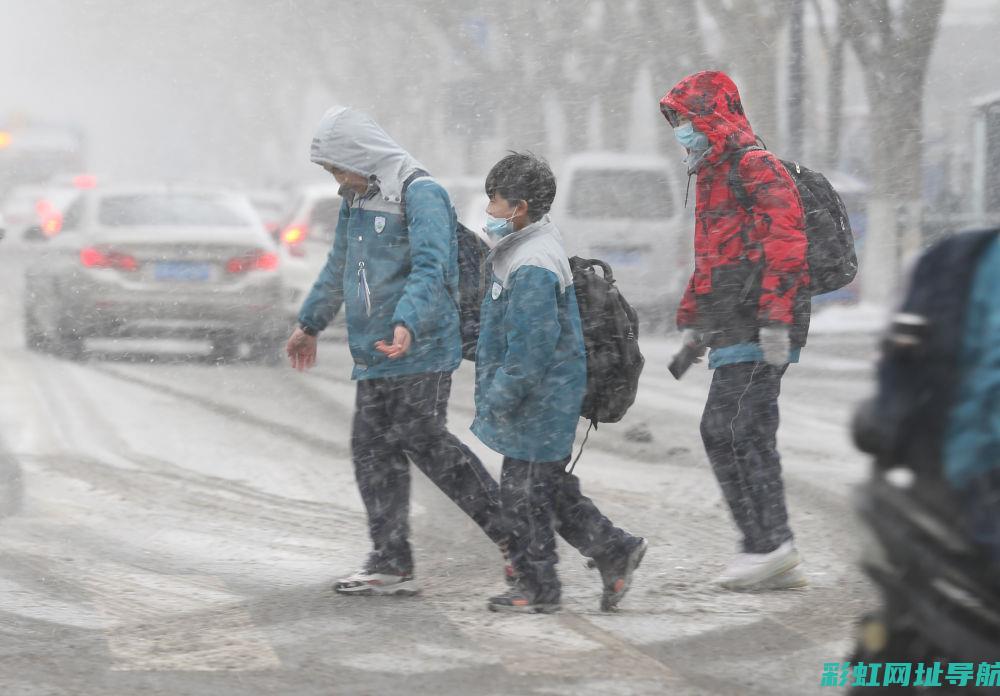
[
  {"x": 617, "y": 571},
  {"x": 517, "y": 600},
  {"x": 509, "y": 574}
]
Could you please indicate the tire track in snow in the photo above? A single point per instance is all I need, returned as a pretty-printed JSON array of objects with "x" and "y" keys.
[
  {"x": 290, "y": 432},
  {"x": 11, "y": 483}
]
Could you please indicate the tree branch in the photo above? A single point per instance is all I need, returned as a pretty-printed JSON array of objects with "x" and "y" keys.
[{"x": 824, "y": 36}]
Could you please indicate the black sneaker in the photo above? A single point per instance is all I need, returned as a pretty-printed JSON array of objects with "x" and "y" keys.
[
  {"x": 616, "y": 572},
  {"x": 519, "y": 601}
]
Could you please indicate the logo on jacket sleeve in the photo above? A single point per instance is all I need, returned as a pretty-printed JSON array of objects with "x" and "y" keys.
[
  {"x": 379, "y": 224},
  {"x": 497, "y": 289}
]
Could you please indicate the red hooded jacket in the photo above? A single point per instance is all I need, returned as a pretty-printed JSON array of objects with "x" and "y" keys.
[{"x": 750, "y": 266}]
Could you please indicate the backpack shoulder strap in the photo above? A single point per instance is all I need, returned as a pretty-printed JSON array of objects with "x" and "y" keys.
[
  {"x": 417, "y": 174},
  {"x": 736, "y": 181}
]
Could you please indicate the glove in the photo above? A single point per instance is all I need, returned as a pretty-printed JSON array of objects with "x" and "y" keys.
[
  {"x": 692, "y": 348},
  {"x": 775, "y": 344},
  {"x": 694, "y": 340}
]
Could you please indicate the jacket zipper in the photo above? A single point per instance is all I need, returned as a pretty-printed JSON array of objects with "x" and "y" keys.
[{"x": 363, "y": 289}]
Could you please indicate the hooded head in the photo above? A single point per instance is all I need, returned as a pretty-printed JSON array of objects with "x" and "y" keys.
[
  {"x": 710, "y": 99},
  {"x": 350, "y": 140}
]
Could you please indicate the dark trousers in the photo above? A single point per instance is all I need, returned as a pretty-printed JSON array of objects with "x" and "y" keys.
[
  {"x": 739, "y": 428},
  {"x": 538, "y": 500},
  {"x": 401, "y": 418}
]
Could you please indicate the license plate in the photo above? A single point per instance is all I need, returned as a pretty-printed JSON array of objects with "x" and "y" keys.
[{"x": 183, "y": 271}]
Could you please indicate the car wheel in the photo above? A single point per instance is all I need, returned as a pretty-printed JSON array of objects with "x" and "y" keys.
[
  {"x": 68, "y": 343},
  {"x": 34, "y": 336},
  {"x": 225, "y": 348},
  {"x": 267, "y": 350}
]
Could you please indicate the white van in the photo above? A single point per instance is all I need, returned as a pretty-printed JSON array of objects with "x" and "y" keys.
[{"x": 628, "y": 210}]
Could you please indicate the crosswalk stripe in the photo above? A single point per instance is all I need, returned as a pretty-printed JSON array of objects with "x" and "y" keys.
[{"x": 180, "y": 623}]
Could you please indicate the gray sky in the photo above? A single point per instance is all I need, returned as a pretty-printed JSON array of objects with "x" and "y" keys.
[{"x": 215, "y": 90}]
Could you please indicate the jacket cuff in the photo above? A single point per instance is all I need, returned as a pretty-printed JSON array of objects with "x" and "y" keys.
[{"x": 399, "y": 320}]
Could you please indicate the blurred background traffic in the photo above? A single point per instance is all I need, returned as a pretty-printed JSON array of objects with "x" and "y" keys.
[{"x": 153, "y": 157}]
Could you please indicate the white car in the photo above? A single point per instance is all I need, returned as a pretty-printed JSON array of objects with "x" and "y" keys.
[
  {"x": 157, "y": 261},
  {"x": 35, "y": 213},
  {"x": 271, "y": 206},
  {"x": 627, "y": 210},
  {"x": 306, "y": 235}
]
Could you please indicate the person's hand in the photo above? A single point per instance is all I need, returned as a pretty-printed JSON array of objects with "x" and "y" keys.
[
  {"x": 775, "y": 344},
  {"x": 693, "y": 340},
  {"x": 692, "y": 348},
  {"x": 401, "y": 341},
  {"x": 301, "y": 349}
]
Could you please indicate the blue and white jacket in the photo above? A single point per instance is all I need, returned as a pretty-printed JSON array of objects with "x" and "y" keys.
[
  {"x": 531, "y": 365},
  {"x": 385, "y": 269}
]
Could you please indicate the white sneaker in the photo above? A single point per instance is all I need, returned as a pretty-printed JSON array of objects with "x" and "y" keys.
[
  {"x": 789, "y": 580},
  {"x": 748, "y": 570},
  {"x": 365, "y": 583}
]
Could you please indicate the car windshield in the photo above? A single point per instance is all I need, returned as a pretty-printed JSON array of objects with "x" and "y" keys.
[
  {"x": 169, "y": 209},
  {"x": 620, "y": 193}
]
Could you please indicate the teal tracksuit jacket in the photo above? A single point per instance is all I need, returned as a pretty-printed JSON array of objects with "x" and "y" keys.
[{"x": 531, "y": 368}]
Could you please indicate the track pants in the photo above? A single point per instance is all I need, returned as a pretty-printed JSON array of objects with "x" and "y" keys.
[
  {"x": 403, "y": 419},
  {"x": 539, "y": 499},
  {"x": 739, "y": 427}
]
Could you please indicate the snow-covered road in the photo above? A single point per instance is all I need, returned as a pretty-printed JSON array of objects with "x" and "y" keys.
[{"x": 173, "y": 527}]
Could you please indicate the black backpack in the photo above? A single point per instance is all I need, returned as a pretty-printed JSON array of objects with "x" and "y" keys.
[
  {"x": 904, "y": 424},
  {"x": 610, "y": 325},
  {"x": 611, "y": 337},
  {"x": 472, "y": 251},
  {"x": 833, "y": 263}
]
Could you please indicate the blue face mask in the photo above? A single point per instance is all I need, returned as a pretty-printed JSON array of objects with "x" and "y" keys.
[
  {"x": 688, "y": 137},
  {"x": 497, "y": 228}
]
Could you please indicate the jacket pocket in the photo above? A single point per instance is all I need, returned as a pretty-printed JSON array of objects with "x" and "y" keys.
[{"x": 732, "y": 306}]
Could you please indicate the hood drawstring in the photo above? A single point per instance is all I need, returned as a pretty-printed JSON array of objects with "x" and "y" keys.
[{"x": 687, "y": 189}]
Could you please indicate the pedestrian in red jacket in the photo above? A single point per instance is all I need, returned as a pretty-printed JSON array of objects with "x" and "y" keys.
[{"x": 747, "y": 301}]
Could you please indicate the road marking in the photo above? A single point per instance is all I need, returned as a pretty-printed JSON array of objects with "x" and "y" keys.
[
  {"x": 564, "y": 645},
  {"x": 28, "y": 602},
  {"x": 179, "y": 623},
  {"x": 623, "y": 656},
  {"x": 419, "y": 658}
]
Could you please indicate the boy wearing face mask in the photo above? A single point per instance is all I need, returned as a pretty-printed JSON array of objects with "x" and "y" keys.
[
  {"x": 748, "y": 300},
  {"x": 531, "y": 375}
]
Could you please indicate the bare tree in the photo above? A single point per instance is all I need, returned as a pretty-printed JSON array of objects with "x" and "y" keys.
[
  {"x": 674, "y": 46},
  {"x": 750, "y": 31},
  {"x": 893, "y": 42},
  {"x": 484, "y": 74},
  {"x": 834, "y": 41}
]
